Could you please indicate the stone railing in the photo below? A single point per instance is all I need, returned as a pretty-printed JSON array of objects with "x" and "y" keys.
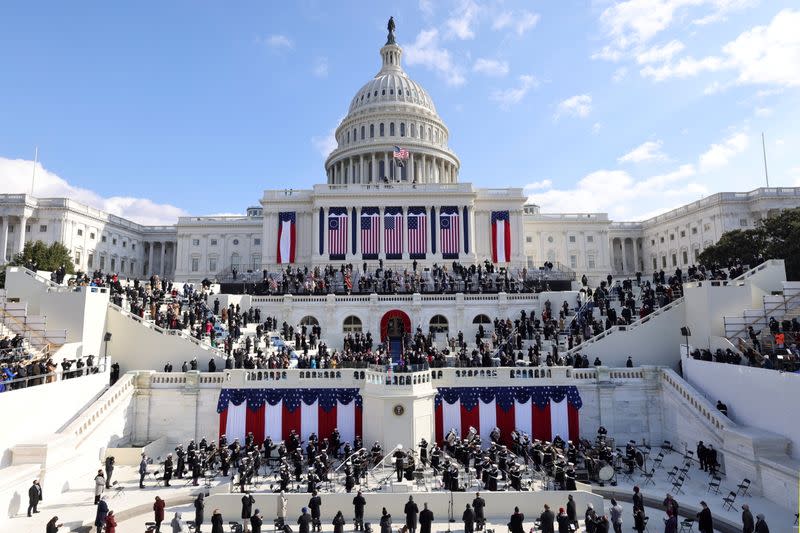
[
  {"x": 82, "y": 426},
  {"x": 702, "y": 407},
  {"x": 763, "y": 266}
]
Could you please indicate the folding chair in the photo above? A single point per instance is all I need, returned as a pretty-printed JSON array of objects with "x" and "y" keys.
[
  {"x": 648, "y": 478},
  {"x": 685, "y": 470},
  {"x": 743, "y": 488},
  {"x": 687, "y": 525},
  {"x": 672, "y": 474},
  {"x": 713, "y": 485},
  {"x": 728, "y": 501},
  {"x": 677, "y": 484},
  {"x": 667, "y": 446},
  {"x": 658, "y": 460}
]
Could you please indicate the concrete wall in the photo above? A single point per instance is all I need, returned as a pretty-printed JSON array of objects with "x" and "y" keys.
[
  {"x": 763, "y": 399},
  {"x": 707, "y": 302},
  {"x": 81, "y": 313},
  {"x": 47, "y": 408}
]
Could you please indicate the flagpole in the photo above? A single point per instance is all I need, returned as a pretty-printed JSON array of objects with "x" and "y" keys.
[
  {"x": 33, "y": 176},
  {"x": 764, "y": 149}
]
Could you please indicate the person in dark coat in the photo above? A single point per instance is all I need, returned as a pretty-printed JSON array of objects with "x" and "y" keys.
[
  {"x": 158, "y": 513},
  {"x": 602, "y": 525},
  {"x": 671, "y": 522},
  {"x": 386, "y": 521},
  {"x": 748, "y": 525},
  {"x": 338, "y": 523},
  {"x": 469, "y": 519},
  {"x": 304, "y": 521},
  {"x": 705, "y": 524},
  {"x": 589, "y": 519},
  {"x": 315, "y": 503},
  {"x": 562, "y": 518},
  {"x": 478, "y": 505},
  {"x": 638, "y": 499},
  {"x": 199, "y": 507},
  {"x": 358, "y": 508},
  {"x": 102, "y": 512},
  {"x": 411, "y": 510},
  {"x": 53, "y": 525},
  {"x": 638, "y": 520},
  {"x": 516, "y": 524},
  {"x": 217, "y": 524},
  {"x": 572, "y": 512},
  {"x": 34, "y": 497},
  {"x": 546, "y": 520},
  {"x": 425, "y": 519},
  {"x": 256, "y": 521},
  {"x": 761, "y": 524},
  {"x": 247, "y": 509}
]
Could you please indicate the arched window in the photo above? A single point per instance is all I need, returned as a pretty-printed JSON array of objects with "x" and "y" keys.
[
  {"x": 402, "y": 129},
  {"x": 363, "y": 130},
  {"x": 352, "y": 324},
  {"x": 348, "y": 136},
  {"x": 413, "y": 130},
  {"x": 438, "y": 324},
  {"x": 372, "y": 131},
  {"x": 391, "y": 129},
  {"x": 481, "y": 319},
  {"x": 381, "y": 129},
  {"x": 355, "y": 135},
  {"x": 309, "y": 320}
]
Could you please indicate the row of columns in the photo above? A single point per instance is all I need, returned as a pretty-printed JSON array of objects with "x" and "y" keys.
[
  {"x": 629, "y": 263},
  {"x": 166, "y": 259},
  {"x": 365, "y": 168},
  {"x": 19, "y": 244}
]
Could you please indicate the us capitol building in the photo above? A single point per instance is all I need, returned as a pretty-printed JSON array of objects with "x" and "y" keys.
[{"x": 376, "y": 205}]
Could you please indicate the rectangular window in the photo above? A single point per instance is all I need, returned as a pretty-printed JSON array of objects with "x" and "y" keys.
[
  {"x": 662, "y": 240},
  {"x": 572, "y": 238},
  {"x": 652, "y": 242},
  {"x": 195, "y": 264},
  {"x": 103, "y": 238},
  {"x": 43, "y": 228},
  {"x": 694, "y": 230},
  {"x": 530, "y": 260},
  {"x": 256, "y": 242},
  {"x": 212, "y": 265},
  {"x": 696, "y": 254},
  {"x": 590, "y": 238},
  {"x": 573, "y": 262},
  {"x": 674, "y": 260},
  {"x": 706, "y": 227},
  {"x": 113, "y": 264},
  {"x": 195, "y": 242},
  {"x": 672, "y": 236},
  {"x": 685, "y": 257},
  {"x": 655, "y": 263},
  {"x": 133, "y": 246},
  {"x": 11, "y": 228},
  {"x": 80, "y": 232},
  {"x": 590, "y": 262},
  {"x": 27, "y": 228},
  {"x": 122, "y": 266},
  {"x": 213, "y": 242},
  {"x": 528, "y": 238},
  {"x": 91, "y": 235},
  {"x": 77, "y": 258},
  {"x": 114, "y": 241},
  {"x": 663, "y": 261},
  {"x": 124, "y": 244},
  {"x": 743, "y": 222},
  {"x": 102, "y": 262},
  {"x": 90, "y": 261},
  {"x": 683, "y": 234},
  {"x": 133, "y": 265}
]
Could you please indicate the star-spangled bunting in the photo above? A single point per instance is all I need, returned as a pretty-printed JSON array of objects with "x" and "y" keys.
[
  {"x": 505, "y": 396},
  {"x": 291, "y": 398}
]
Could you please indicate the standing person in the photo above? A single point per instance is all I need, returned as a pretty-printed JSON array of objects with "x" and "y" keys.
[
  {"x": 671, "y": 522},
  {"x": 411, "y": 510},
  {"x": 469, "y": 519},
  {"x": 425, "y": 519},
  {"x": 256, "y": 521},
  {"x": 247, "y": 510},
  {"x": 562, "y": 518},
  {"x": 478, "y": 505},
  {"x": 99, "y": 486},
  {"x": 158, "y": 513},
  {"x": 34, "y": 497},
  {"x": 109, "y": 470},
  {"x": 638, "y": 499},
  {"x": 358, "y": 508},
  {"x": 589, "y": 519},
  {"x": 338, "y": 523},
  {"x": 53, "y": 525},
  {"x": 100, "y": 516},
  {"x": 638, "y": 520},
  {"x": 572, "y": 512},
  {"x": 517, "y": 522},
  {"x": 748, "y": 526},
  {"x": 177, "y": 523},
  {"x": 304, "y": 521},
  {"x": 546, "y": 520},
  {"x": 111, "y": 523},
  {"x": 616, "y": 516},
  {"x": 199, "y": 507},
  {"x": 142, "y": 470},
  {"x": 761, "y": 524},
  {"x": 705, "y": 524},
  {"x": 386, "y": 521},
  {"x": 315, "y": 503},
  {"x": 281, "y": 510},
  {"x": 217, "y": 524}
]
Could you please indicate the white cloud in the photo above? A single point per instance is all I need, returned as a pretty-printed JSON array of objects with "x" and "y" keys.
[
  {"x": 544, "y": 184},
  {"x": 721, "y": 10},
  {"x": 426, "y": 6},
  {"x": 426, "y": 51},
  {"x": 763, "y": 112},
  {"x": 277, "y": 41},
  {"x": 519, "y": 22},
  {"x": 320, "y": 68},
  {"x": 579, "y": 105},
  {"x": 15, "y": 175},
  {"x": 647, "y": 151},
  {"x": 462, "y": 20},
  {"x": 619, "y": 74},
  {"x": 490, "y": 67},
  {"x": 685, "y": 68},
  {"x": 596, "y": 127},
  {"x": 325, "y": 144},
  {"x": 509, "y": 97},
  {"x": 720, "y": 154},
  {"x": 659, "y": 54}
]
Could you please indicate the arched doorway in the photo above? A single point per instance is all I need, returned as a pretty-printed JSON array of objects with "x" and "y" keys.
[{"x": 394, "y": 324}]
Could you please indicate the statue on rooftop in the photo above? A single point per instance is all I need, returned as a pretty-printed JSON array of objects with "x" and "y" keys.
[{"x": 390, "y": 26}]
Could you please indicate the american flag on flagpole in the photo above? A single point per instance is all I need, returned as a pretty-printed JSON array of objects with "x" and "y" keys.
[
  {"x": 370, "y": 232},
  {"x": 400, "y": 155},
  {"x": 449, "y": 232},
  {"x": 337, "y": 232},
  {"x": 417, "y": 232},
  {"x": 393, "y": 232}
]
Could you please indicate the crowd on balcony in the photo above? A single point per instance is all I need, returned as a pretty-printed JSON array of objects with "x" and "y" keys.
[{"x": 20, "y": 368}]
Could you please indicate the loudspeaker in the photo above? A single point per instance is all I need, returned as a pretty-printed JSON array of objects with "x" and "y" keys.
[
  {"x": 686, "y": 332},
  {"x": 107, "y": 336}
]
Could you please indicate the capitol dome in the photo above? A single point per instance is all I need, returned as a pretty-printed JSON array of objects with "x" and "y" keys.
[{"x": 392, "y": 111}]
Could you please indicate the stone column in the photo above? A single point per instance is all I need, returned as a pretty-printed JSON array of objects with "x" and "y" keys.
[
  {"x": 23, "y": 220},
  {"x": 361, "y": 168},
  {"x": 385, "y": 165},
  {"x": 373, "y": 165},
  {"x": 4, "y": 240},
  {"x": 150, "y": 261},
  {"x": 635, "y": 255},
  {"x": 411, "y": 167}
]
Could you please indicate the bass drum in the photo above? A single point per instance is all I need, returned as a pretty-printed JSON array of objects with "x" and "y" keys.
[{"x": 606, "y": 473}]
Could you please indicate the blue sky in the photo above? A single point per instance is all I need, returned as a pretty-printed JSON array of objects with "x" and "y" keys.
[{"x": 154, "y": 109}]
